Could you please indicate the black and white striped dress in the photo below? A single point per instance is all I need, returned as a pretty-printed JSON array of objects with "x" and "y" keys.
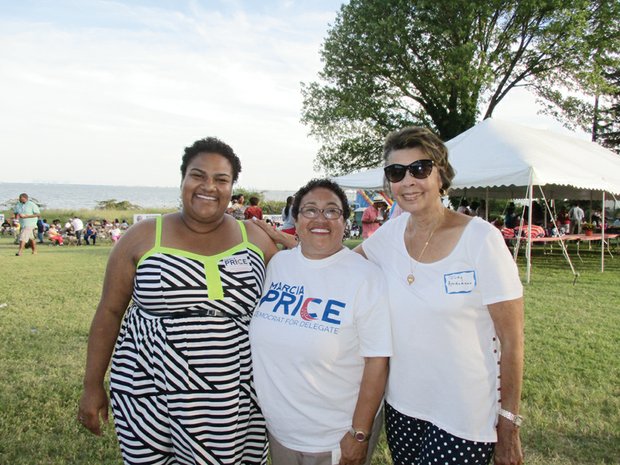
[{"x": 181, "y": 377}]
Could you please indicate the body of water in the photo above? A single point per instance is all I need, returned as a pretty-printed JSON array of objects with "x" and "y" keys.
[{"x": 78, "y": 196}]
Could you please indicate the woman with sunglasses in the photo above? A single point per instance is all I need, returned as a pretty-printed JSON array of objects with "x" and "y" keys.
[
  {"x": 321, "y": 340},
  {"x": 455, "y": 298}
]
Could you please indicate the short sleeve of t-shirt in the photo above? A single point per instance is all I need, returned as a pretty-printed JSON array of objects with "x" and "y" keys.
[
  {"x": 498, "y": 275},
  {"x": 372, "y": 319}
]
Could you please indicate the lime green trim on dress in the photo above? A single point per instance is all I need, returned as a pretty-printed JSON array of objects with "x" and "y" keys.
[{"x": 210, "y": 262}]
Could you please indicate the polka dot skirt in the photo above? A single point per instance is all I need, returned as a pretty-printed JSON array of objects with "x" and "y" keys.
[{"x": 418, "y": 442}]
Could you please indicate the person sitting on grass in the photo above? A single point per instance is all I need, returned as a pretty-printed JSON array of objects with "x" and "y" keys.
[
  {"x": 6, "y": 227},
  {"x": 90, "y": 234},
  {"x": 54, "y": 235},
  {"x": 115, "y": 234}
]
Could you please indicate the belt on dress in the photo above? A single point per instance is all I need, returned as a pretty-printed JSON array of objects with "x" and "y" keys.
[{"x": 182, "y": 313}]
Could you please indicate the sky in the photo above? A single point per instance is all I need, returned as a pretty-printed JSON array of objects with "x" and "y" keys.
[{"x": 111, "y": 92}]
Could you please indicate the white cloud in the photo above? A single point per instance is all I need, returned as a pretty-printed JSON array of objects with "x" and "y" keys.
[
  {"x": 110, "y": 92},
  {"x": 108, "y": 104}
]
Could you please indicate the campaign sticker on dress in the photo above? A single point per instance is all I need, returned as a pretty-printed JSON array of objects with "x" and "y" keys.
[
  {"x": 237, "y": 264},
  {"x": 461, "y": 282}
]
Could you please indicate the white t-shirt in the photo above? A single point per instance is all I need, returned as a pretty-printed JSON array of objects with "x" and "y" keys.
[
  {"x": 315, "y": 323},
  {"x": 576, "y": 214},
  {"x": 445, "y": 365},
  {"x": 288, "y": 221},
  {"x": 77, "y": 224}
]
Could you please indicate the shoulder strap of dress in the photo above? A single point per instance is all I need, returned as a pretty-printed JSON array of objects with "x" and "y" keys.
[
  {"x": 244, "y": 234},
  {"x": 158, "y": 222}
]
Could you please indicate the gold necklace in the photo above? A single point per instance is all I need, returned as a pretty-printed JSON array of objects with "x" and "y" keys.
[{"x": 410, "y": 276}]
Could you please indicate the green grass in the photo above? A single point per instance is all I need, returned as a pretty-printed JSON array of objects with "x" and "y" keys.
[{"x": 571, "y": 396}]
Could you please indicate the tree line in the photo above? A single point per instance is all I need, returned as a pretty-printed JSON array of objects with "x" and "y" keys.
[{"x": 448, "y": 64}]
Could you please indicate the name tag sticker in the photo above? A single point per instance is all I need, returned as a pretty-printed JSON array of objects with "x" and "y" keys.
[
  {"x": 461, "y": 282},
  {"x": 237, "y": 264}
]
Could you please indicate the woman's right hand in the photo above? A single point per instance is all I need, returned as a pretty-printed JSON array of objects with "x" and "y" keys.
[
  {"x": 93, "y": 404},
  {"x": 277, "y": 236}
]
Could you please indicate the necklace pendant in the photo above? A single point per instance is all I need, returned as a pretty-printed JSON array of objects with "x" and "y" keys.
[{"x": 410, "y": 279}]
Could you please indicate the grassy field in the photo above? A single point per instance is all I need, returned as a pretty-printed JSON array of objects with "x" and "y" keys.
[{"x": 571, "y": 398}]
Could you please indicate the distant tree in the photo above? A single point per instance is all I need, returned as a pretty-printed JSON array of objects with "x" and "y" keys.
[
  {"x": 272, "y": 207},
  {"x": 10, "y": 203},
  {"x": 247, "y": 193},
  {"x": 392, "y": 63},
  {"x": 585, "y": 93},
  {"x": 610, "y": 125},
  {"x": 113, "y": 204}
]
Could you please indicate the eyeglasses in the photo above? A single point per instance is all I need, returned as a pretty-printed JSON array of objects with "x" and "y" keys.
[
  {"x": 419, "y": 169},
  {"x": 331, "y": 213}
]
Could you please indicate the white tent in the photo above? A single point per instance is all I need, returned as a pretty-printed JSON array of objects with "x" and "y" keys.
[
  {"x": 506, "y": 160},
  {"x": 367, "y": 179}
]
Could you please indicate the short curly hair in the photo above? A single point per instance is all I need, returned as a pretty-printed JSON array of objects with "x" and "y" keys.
[
  {"x": 417, "y": 137},
  {"x": 325, "y": 184},
  {"x": 211, "y": 145}
]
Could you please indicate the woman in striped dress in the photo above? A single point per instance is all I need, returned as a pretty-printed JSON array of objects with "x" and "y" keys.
[{"x": 178, "y": 296}]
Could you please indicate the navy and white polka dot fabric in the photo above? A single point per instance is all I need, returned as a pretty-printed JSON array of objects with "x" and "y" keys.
[{"x": 418, "y": 442}]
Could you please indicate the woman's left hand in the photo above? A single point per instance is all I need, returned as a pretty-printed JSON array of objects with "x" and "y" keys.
[
  {"x": 508, "y": 319},
  {"x": 353, "y": 452},
  {"x": 508, "y": 447}
]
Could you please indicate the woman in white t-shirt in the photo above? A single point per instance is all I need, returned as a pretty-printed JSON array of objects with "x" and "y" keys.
[
  {"x": 455, "y": 295},
  {"x": 321, "y": 339}
]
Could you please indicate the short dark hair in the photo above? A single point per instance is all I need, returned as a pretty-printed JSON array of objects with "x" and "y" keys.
[
  {"x": 417, "y": 137},
  {"x": 325, "y": 184},
  {"x": 254, "y": 200},
  {"x": 211, "y": 145}
]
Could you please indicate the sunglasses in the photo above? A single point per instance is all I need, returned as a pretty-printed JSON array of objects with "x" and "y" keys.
[{"x": 419, "y": 169}]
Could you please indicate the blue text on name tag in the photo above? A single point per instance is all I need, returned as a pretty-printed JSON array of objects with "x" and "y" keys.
[{"x": 460, "y": 282}]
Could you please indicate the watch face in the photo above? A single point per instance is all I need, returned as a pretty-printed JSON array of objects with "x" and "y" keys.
[{"x": 360, "y": 436}]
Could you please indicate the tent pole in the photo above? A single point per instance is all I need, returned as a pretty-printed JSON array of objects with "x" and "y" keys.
[
  {"x": 529, "y": 233},
  {"x": 555, "y": 225},
  {"x": 603, "y": 234},
  {"x": 486, "y": 205},
  {"x": 519, "y": 235}
]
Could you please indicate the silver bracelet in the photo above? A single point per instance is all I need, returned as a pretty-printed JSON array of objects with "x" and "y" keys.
[{"x": 515, "y": 419}]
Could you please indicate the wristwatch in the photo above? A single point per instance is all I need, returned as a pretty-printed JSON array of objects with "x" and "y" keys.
[
  {"x": 359, "y": 435},
  {"x": 515, "y": 419}
]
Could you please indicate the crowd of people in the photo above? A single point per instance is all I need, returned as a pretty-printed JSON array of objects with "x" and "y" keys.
[
  {"x": 567, "y": 220},
  {"x": 230, "y": 339},
  {"x": 29, "y": 228}
]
